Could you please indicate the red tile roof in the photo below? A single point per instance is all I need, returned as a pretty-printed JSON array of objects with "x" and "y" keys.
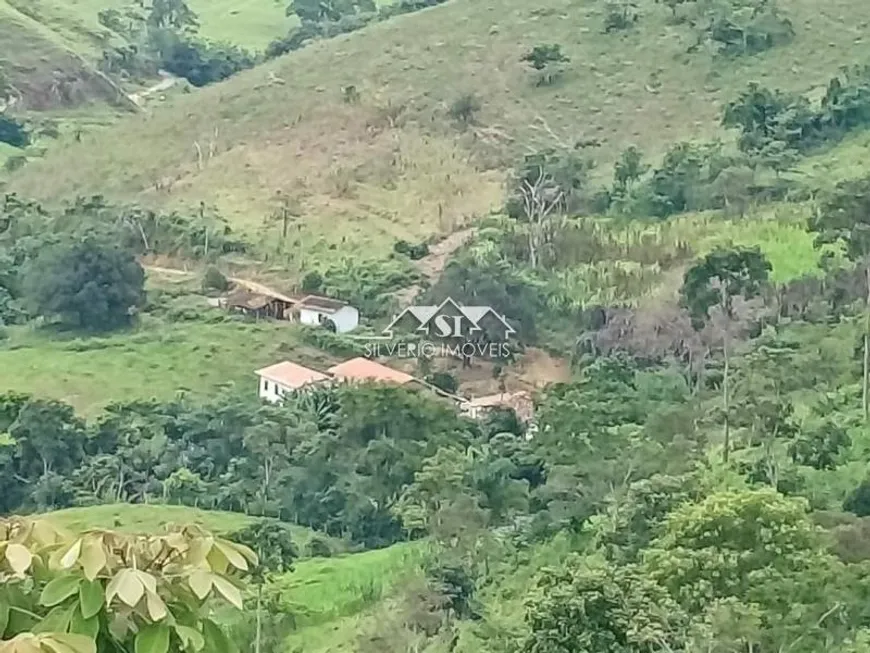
[
  {"x": 363, "y": 369},
  {"x": 291, "y": 375}
]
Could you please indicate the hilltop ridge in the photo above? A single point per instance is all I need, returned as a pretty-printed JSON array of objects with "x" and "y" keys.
[{"x": 394, "y": 164}]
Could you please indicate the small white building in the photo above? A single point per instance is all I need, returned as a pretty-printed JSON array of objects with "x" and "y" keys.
[
  {"x": 283, "y": 378},
  {"x": 520, "y": 402},
  {"x": 324, "y": 311}
]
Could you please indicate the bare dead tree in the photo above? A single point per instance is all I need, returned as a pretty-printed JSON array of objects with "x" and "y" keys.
[
  {"x": 212, "y": 146},
  {"x": 543, "y": 126},
  {"x": 198, "y": 154},
  {"x": 540, "y": 199},
  {"x": 133, "y": 221}
]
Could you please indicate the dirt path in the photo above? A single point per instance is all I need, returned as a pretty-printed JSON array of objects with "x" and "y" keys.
[
  {"x": 173, "y": 272},
  {"x": 433, "y": 264},
  {"x": 165, "y": 84},
  {"x": 253, "y": 286}
]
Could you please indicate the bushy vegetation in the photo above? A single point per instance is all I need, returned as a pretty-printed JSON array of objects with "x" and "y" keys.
[
  {"x": 775, "y": 130},
  {"x": 742, "y": 27},
  {"x": 368, "y": 285},
  {"x": 697, "y": 481},
  {"x": 547, "y": 60},
  {"x": 79, "y": 263},
  {"x": 620, "y": 15},
  {"x": 413, "y": 251},
  {"x": 774, "y": 121},
  {"x": 323, "y": 20},
  {"x": 89, "y": 284},
  {"x": 200, "y": 233},
  {"x": 163, "y": 36},
  {"x": 13, "y": 132},
  {"x": 337, "y": 461}
]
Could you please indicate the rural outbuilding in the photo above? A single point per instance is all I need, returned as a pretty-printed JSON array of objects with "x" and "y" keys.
[
  {"x": 331, "y": 313},
  {"x": 258, "y": 305},
  {"x": 283, "y": 378},
  {"x": 363, "y": 370}
]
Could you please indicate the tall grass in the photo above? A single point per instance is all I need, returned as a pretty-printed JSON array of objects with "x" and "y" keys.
[
  {"x": 610, "y": 262},
  {"x": 326, "y": 589}
]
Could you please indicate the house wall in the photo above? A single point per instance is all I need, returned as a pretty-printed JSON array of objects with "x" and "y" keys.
[
  {"x": 307, "y": 316},
  {"x": 346, "y": 319},
  {"x": 271, "y": 391},
  {"x": 472, "y": 412}
]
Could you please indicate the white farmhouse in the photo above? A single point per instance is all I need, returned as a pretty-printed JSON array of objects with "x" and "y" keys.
[
  {"x": 324, "y": 311},
  {"x": 283, "y": 378},
  {"x": 520, "y": 402}
]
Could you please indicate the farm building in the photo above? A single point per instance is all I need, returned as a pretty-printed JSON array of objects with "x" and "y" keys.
[
  {"x": 283, "y": 378},
  {"x": 363, "y": 369},
  {"x": 520, "y": 402},
  {"x": 324, "y": 311},
  {"x": 259, "y": 305}
]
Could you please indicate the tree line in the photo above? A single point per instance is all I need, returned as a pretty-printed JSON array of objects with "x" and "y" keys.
[
  {"x": 164, "y": 35},
  {"x": 336, "y": 460}
]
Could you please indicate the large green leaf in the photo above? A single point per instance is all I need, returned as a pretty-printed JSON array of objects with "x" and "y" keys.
[
  {"x": 235, "y": 558},
  {"x": 200, "y": 582},
  {"x": 229, "y": 591},
  {"x": 153, "y": 639},
  {"x": 21, "y": 620},
  {"x": 59, "y": 589},
  {"x": 57, "y": 620},
  {"x": 91, "y": 597},
  {"x": 68, "y": 643},
  {"x": 216, "y": 640},
  {"x": 191, "y": 639},
  {"x": 156, "y": 607},
  {"x": 4, "y": 615},
  {"x": 93, "y": 557},
  {"x": 18, "y": 557},
  {"x": 84, "y": 626},
  {"x": 68, "y": 559},
  {"x": 127, "y": 586}
]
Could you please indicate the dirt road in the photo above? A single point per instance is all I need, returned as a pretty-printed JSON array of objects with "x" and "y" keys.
[
  {"x": 253, "y": 286},
  {"x": 165, "y": 84},
  {"x": 433, "y": 264}
]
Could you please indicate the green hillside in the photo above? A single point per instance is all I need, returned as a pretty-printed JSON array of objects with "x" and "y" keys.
[
  {"x": 686, "y": 468},
  {"x": 46, "y": 69},
  {"x": 51, "y": 47},
  {"x": 157, "y": 361},
  {"x": 395, "y": 165},
  {"x": 248, "y": 23}
]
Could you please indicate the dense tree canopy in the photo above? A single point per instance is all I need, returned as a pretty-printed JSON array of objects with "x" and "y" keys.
[{"x": 88, "y": 284}]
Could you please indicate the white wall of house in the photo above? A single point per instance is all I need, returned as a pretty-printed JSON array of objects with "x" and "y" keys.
[
  {"x": 345, "y": 319},
  {"x": 472, "y": 412},
  {"x": 271, "y": 391}
]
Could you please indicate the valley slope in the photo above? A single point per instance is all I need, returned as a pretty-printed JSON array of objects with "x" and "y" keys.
[{"x": 394, "y": 164}]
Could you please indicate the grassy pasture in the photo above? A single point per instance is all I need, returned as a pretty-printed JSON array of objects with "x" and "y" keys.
[
  {"x": 249, "y": 23},
  {"x": 155, "y": 360},
  {"x": 394, "y": 165}
]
